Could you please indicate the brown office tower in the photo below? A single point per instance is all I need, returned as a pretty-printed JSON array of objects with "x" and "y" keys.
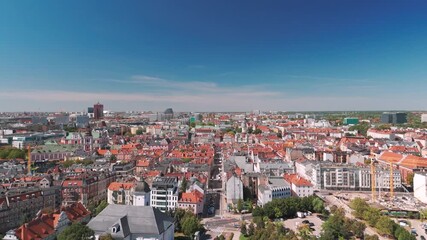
[{"x": 98, "y": 111}]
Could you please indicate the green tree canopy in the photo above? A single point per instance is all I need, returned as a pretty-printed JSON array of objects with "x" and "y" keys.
[
  {"x": 385, "y": 226},
  {"x": 139, "y": 132},
  {"x": 12, "y": 153},
  {"x": 190, "y": 224},
  {"x": 76, "y": 231},
  {"x": 240, "y": 205},
  {"x": 103, "y": 204},
  {"x": 336, "y": 226},
  {"x": 243, "y": 229},
  {"x": 184, "y": 185}
]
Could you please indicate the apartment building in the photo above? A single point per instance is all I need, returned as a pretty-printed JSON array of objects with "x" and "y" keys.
[
  {"x": 129, "y": 193},
  {"x": 275, "y": 187},
  {"x": 164, "y": 193}
]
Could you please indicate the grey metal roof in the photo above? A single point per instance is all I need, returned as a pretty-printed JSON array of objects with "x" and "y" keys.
[{"x": 143, "y": 220}]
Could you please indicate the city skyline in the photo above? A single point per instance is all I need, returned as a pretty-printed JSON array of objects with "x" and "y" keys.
[{"x": 213, "y": 56}]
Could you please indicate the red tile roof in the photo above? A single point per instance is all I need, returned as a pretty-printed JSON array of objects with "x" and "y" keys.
[
  {"x": 297, "y": 180},
  {"x": 192, "y": 197},
  {"x": 115, "y": 186},
  {"x": 390, "y": 157}
]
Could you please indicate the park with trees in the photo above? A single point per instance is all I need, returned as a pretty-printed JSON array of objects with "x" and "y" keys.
[
  {"x": 383, "y": 224},
  {"x": 288, "y": 207}
]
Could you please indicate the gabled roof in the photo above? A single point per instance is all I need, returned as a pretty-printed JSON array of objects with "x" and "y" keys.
[
  {"x": 297, "y": 180},
  {"x": 390, "y": 157},
  {"x": 116, "y": 186},
  {"x": 192, "y": 197},
  {"x": 142, "y": 220}
]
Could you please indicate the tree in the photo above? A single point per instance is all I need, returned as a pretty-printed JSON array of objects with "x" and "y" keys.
[
  {"x": 257, "y": 131},
  {"x": 385, "y": 226},
  {"x": 304, "y": 231},
  {"x": 240, "y": 205},
  {"x": 336, "y": 226},
  {"x": 103, "y": 204},
  {"x": 259, "y": 222},
  {"x": 371, "y": 237},
  {"x": 12, "y": 153},
  {"x": 16, "y": 153},
  {"x": 184, "y": 185},
  {"x": 106, "y": 237},
  {"x": 318, "y": 205},
  {"x": 259, "y": 211},
  {"x": 139, "y": 132},
  {"x": 76, "y": 231},
  {"x": 372, "y": 215},
  {"x": 243, "y": 229},
  {"x": 250, "y": 206},
  {"x": 178, "y": 215},
  {"x": 423, "y": 214},
  {"x": 361, "y": 128},
  {"x": 251, "y": 229},
  {"x": 359, "y": 206},
  {"x": 247, "y": 194},
  {"x": 405, "y": 235},
  {"x": 358, "y": 228},
  {"x": 410, "y": 179},
  {"x": 190, "y": 224}
]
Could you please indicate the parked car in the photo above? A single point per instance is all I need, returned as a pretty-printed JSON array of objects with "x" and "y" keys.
[{"x": 403, "y": 223}]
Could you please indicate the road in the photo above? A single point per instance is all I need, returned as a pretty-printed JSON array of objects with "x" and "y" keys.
[{"x": 417, "y": 225}]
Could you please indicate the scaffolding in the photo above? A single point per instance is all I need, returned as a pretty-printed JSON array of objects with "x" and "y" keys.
[{"x": 29, "y": 160}]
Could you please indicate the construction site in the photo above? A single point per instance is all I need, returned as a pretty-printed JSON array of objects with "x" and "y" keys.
[{"x": 397, "y": 203}]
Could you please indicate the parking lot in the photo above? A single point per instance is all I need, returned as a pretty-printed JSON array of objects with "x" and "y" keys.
[
  {"x": 294, "y": 222},
  {"x": 417, "y": 225}
]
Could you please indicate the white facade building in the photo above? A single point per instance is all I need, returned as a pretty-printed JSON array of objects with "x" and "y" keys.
[
  {"x": 164, "y": 193},
  {"x": 276, "y": 187},
  {"x": 234, "y": 188},
  {"x": 420, "y": 186}
]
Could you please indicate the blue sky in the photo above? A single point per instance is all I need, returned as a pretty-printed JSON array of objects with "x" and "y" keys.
[{"x": 213, "y": 55}]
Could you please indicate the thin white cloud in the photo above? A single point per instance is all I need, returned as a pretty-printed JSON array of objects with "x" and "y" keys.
[{"x": 51, "y": 100}]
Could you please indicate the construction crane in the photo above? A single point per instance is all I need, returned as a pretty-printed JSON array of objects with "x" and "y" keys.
[
  {"x": 391, "y": 181},
  {"x": 373, "y": 180},
  {"x": 29, "y": 160}
]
